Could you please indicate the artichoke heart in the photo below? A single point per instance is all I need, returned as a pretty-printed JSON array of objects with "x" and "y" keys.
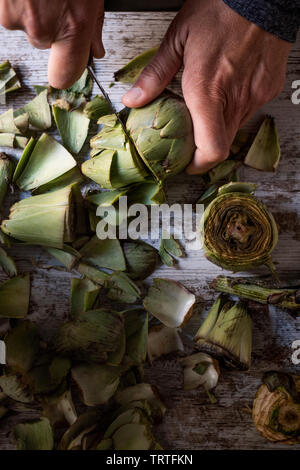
[
  {"x": 238, "y": 233},
  {"x": 276, "y": 408}
]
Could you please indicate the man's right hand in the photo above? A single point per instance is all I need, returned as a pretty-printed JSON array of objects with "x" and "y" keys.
[{"x": 71, "y": 28}]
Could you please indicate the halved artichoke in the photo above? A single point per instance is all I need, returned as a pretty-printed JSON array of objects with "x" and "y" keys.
[
  {"x": 238, "y": 231},
  {"x": 276, "y": 408}
]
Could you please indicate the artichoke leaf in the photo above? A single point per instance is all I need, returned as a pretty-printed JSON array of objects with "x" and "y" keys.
[
  {"x": 14, "y": 297},
  {"x": 8, "y": 78},
  {"x": 36, "y": 435}
]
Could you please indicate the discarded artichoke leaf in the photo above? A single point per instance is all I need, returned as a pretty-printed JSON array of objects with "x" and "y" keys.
[
  {"x": 237, "y": 187},
  {"x": 8, "y": 78},
  {"x": 133, "y": 437},
  {"x": 200, "y": 369},
  {"x": 121, "y": 288},
  {"x": 84, "y": 294},
  {"x": 143, "y": 391},
  {"x": 38, "y": 111},
  {"x": 80, "y": 242},
  {"x": 68, "y": 257},
  {"x": 163, "y": 340},
  {"x": 13, "y": 387},
  {"x": 169, "y": 248},
  {"x": 116, "y": 357},
  {"x": 60, "y": 410},
  {"x": 7, "y": 123},
  {"x": 83, "y": 85},
  {"x": 208, "y": 195},
  {"x": 48, "y": 161},
  {"x": 13, "y": 141},
  {"x": 105, "y": 444},
  {"x": 169, "y": 302},
  {"x": 22, "y": 123},
  {"x": 85, "y": 423},
  {"x": 264, "y": 153},
  {"x": 106, "y": 198},
  {"x": 73, "y": 127},
  {"x": 14, "y": 297},
  {"x": 94, "y": 274},
  {"x": 275, "y": 412},
  {"x": 163, "y": 135},
  {"x": 36, "y": 435},
  {"x": 226, "y": 333},
  {"x": 131, "y": 71},
  {"x": 257, "y": 291},
  {"x": 148, "y": 193},
  {"x": 46, "y": 378},
  {"x": 136, "y": 330},
  {"x": 97, "y": 383},
  {"x": 22, "y": 347},
  {"x": 96, "y": 108},
  {"x": 109, "y": 121},
  {"x": 91, "y": 336},
  {"x": 6, "y": 169},
  {"x": 24, "y": 159},
  {"x": 238, "y": 233},
  {"x": 46, "y": 219},
  {"x": 132, "y": 415},
  {"x": 223, "y": 171},
  {"x": 71, "y": 177},
  {"x": 3, "y": 411},
  {"x": 104, "y": 254},
  {"x": 141, "y": 259}
]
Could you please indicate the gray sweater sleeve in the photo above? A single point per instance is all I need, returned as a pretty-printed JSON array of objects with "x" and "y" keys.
[{"x": 279, "y": 17}]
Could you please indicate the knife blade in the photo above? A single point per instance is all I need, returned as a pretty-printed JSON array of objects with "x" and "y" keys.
[{"x": 105, "y": 95}]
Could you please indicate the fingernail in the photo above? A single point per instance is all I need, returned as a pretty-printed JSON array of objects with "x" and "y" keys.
[{"x": 132, "y": 95}]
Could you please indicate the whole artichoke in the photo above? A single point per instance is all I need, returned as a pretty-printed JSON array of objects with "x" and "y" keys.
[
  {"x": 238, "y": 231},
  {"x": 162, "y": 144}
]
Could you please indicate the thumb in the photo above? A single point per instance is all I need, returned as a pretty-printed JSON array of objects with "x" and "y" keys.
[
  {"x": 155, "y": 77},
  {"x": 68, "y": 59}
]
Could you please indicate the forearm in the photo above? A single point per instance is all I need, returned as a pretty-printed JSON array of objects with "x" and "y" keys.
[{"x": 279, "y": 17}]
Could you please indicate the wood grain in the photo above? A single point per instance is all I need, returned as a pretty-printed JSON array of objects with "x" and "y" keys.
[{"x": 191, "y": 422}]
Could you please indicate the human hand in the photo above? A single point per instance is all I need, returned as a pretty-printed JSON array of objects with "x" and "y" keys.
[
  {"x": 231, "y": 68},
  {"x": 71, "y": 28}
]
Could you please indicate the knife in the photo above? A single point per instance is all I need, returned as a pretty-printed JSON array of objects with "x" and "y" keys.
[{"x": 105, "y": 95}]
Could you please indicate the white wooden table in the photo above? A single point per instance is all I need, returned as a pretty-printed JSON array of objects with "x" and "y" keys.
[{"x": 191, "y": 421}]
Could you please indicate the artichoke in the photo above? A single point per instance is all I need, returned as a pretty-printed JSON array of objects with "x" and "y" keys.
[
  {"x": 161, "y": 145},
  {"x": 238, "y": 232},
  {"x": 276, "y": 408}
]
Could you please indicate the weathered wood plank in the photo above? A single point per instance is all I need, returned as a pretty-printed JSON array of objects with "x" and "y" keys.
[{"x": 191, "y": 422}]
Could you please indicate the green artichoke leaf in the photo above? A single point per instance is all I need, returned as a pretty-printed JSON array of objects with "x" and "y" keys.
[
  {"x": 223, "y": 171},
  {"x": 99, "y": 168},
  {"x": 24, "y": 159},
  {"x": 68, "y": 257},
  {"x": 13, "y": 141},
  {"x": 84, "y": 424},
  {"x": 48, "y": 377},
  {"x": 61, "y": 410},
  {"x": 91, "y": 336},
  {"x": 169, "y": 302},
  {"x": 121, "y": 288},
  {"x": 7, "y": 123},
  {"x": 14, "y": 297},
  {"x": 73, "y": 127},
  {"x": 35, "y": 435},
  {"x": 8, "y": 78},
  {"x": 163, "y": 340},
  {"x": 6, "y": 170},
  {"x": 143, "y": 391},
  {"x": 141, "y": 259},
  {"x": 97, "y": 108},
  {"x": 131, "y": 71},
  {"x": 22, "y": 347},
  {"x": 97, "y": 383},
  {"x": 96, "y": 275},
  {"x": 15, "y": 389},
  {"x": 169, "y": 249},
  {"x": 84, "y": 294},
  {"x": 71, "y": 177},
  {"x": 48, "y": 161},
  {"x": 46, "y": 219},
  {"x": 7, "y": 264},
  {"x": 106, "y": 253},
  {"x": 264, "y": 153},
  {"x": 200, "y": 369},
  {"x": 38, "y": 111},
  {"x": 136, "y": 330}
]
